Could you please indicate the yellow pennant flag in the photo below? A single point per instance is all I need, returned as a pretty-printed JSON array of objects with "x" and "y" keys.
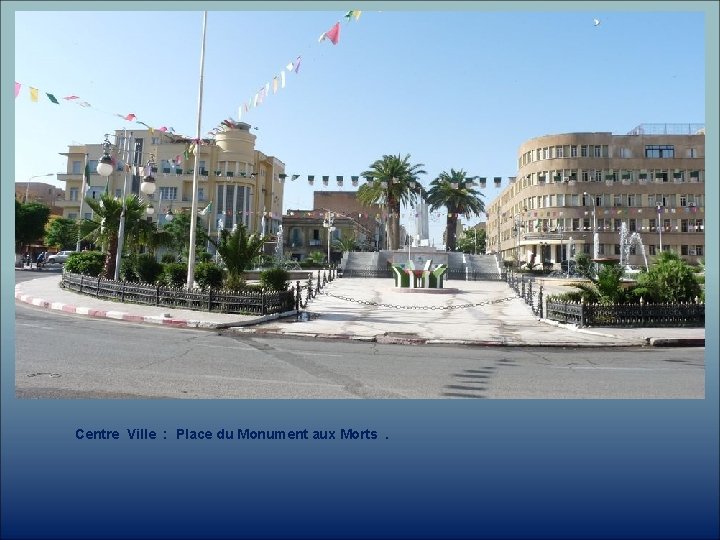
[
  {"x": 33, "y": 94},
  {"x": 275, "y": 85},
  {"x": 356, "y": 14}
]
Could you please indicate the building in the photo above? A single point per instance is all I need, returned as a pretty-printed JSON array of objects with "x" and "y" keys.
[
  {"x": 305, "y": 231},
  {"x": 243, "y": 184},
  {"x": 40, "y": 192},
  {"x": 569, "y": 187}
]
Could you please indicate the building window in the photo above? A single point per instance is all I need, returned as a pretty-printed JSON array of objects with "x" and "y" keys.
[
  {"x": 659, "y": 151},
  {"x": 573, "y": 151},
  {"x": 617, "y": 249},
  {"x": 625, "y": 153},
  {"x": 77, "y": 167},
  {"x": 72, "y": 215},
  {"x": 559, "y": 152},
  {"x": 632, "y": 225},
  {"x": 155, "y": 141},
  {"x": 92, "y": 165},
  {"x": 584, "y": 150},
  {"x": 699, "y": 250},
  {"x": 74, "y": 194},
  {"x": 598, "y": 176},
  {"x": 683, "y": 249},
  {"x": 597, "y": 150},
  {"x": 201, "y": 194},
  {"x": 168, "y": 193},
  {"x": 617, "y": 200},
  {"x": 652, "y": 249},
  {"x": 118, "y": 193},
  {"x": 692, "y": 153}
]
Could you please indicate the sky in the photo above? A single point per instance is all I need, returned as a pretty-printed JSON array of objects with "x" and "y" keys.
[{"x": 453, "y": 89}]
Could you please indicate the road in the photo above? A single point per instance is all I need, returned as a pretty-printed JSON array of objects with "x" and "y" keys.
[{"x": 69, "y": 356}]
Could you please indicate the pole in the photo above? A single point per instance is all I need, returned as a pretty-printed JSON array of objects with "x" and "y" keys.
[
  {"x": 121, "y": 228},
  {"x": 659, "y": 227},
  {"x": 194, "y": 208},
  {"x": 83, "y": 187}
]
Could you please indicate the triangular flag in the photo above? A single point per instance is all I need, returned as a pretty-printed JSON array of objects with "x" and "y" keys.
[
  {"x": 17, "y": 88},
  {"x": 356, "y": 14},
  {"x": 297, "y": 64},
  {"x": 290, "y": 66},
  {"x": 130, "y": 117},
  {"x": 267, "y": 89},
  {"x": 334, "y": 33},
  {"x": 52, "y": 98},
  {"x": 282, "y": 79},
  {"x": 33, "y": 94},
  {"x": 68, "y": 98},
  {"x": 240, "y": 113},
  {"x": 348, "y": 15},
  {"x": 163, "y": 129},
  {"x": 275, "y": 85}
]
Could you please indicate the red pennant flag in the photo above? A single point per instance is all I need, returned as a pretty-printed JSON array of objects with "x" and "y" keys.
[
  {"x": 334, "y": 33},
  {"x": 130, "y": 117},
  {"x": 17, "y": 88},
  {"x": 68, "y": 98},
  {"x": 163, "y": 129}
]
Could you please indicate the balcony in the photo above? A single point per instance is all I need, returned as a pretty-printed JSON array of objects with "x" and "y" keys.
[{"x": 315, "y": 242}]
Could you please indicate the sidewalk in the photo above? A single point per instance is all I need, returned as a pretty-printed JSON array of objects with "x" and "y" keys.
[{"x": 477, "y": 313}]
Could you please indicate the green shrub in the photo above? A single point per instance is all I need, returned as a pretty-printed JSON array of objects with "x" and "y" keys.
[
  {"x": 89, "y": 263},
  {"x": 234, "y": 282},
  {"x": 204, "y": 257},
  {"x": 168, "y": 258},
  {"x": 127, "y": 269},
  {"x": 174, "y": 274},
  {"x": 208, "y": 275},
  {"x": 147, "y": 269},
  {"x": 275, "y": 279}
]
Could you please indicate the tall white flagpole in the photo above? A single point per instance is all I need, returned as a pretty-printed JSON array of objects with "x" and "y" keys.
[{"x": 194, "y": 210}]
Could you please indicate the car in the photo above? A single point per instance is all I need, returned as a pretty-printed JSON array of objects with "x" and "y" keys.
[{"x": 59, "y": 257}]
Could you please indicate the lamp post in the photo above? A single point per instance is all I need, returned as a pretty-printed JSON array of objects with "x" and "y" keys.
[
  {"x": 27, "y": 187},
  {"x": 659, "y": 226},
  {"x": 328, "y": 224},
  {"x": 105, "y": 169},
  {"x": 518, "y": 225}
]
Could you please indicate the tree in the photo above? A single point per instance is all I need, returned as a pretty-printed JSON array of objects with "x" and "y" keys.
[
  {"x": 584, "y": 265},
  {"x": 30, "y": 221},
  {"x": 61, "y": 233},
  {"x": 451, "y": 191},
  {"x": 392, "y": 181},
  {"x": 345, "y": 243},
  {"x": 669, "y": 280},
  {"x": 103, "y": 227},
  {"x": 178, "y": 231},
  {"x": 472, "y": 241},
  {"x": 237, "y": 250}
]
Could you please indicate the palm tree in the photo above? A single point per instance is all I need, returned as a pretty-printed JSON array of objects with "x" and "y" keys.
[
  {"x": 392, "y": 181},
  {"x": 451, "y": 191},
  {"x": 345, "y": 243},
  {"x": 103, "y": 227},
  {"x": 238, "y": 250}
]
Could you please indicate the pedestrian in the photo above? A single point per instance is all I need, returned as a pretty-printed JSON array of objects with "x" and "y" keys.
[{"x": 40, "y": 260}]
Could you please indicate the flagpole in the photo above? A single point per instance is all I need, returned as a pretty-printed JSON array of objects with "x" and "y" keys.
[
  {"x": 194, "y": 208},
  {"x": 82, "y": 199}
]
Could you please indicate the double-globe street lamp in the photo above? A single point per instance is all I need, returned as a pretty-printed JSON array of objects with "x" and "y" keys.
[
  {"x": 328, "y": 224},
  {"x": 596, "y": 237}
]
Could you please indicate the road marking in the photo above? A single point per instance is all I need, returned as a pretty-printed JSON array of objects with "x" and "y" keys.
[
  {"x": 272, "y": 381},
  {"x": 613, "y": 368}
]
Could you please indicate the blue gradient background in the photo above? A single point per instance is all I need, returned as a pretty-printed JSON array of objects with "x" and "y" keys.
[{"x": 501, "y": 469}]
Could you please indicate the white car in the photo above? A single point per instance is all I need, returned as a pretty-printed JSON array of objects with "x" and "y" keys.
[{"x": 59, "y": 257}]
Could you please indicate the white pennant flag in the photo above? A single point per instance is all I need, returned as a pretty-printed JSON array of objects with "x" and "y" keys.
[
  {"x": 290, "y": 66},
  {"x": 282, "y": 79}
]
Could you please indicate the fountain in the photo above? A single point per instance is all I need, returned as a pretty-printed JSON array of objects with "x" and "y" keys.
[
  {"x": 279, "y": 256},
  {"x": 627, "y": 242}
]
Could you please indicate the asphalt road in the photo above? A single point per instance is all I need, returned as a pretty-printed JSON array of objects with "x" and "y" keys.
[{"x": 68, "y": 356}]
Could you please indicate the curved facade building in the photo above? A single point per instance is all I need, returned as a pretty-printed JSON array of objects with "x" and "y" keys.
[{"x": 574, "y": 192}]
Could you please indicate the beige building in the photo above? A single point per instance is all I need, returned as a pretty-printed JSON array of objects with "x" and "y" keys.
[
  {"x": 243, "y": 184},
  {"x": 571, "y": 185}
]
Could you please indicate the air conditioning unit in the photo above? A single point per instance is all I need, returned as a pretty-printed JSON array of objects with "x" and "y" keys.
[
  {"x": 691, "y": 204},
  {"x": 693, "y": 252}
]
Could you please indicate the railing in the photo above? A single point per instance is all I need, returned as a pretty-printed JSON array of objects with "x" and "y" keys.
[
  {"x": 524, "y": 288},
  {"x": 255, "y": 302},
  {"x": 311, "y": 290},
  {"x": 627, "y": 315}
]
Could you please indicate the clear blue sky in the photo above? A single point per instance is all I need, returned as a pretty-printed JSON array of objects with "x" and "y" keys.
[{"x": 454, "y": 89}]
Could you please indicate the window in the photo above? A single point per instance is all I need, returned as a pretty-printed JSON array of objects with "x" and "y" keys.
[
  {"x": 699, "y": 251},
  {"x": 659, "y": 151},
  {"x": 201, "y": 194},
  {"x": 118, "y": 193},
  {"x": 573, "y": 151},
  {"x": 684, "y": 225},
  {"x": 575, "y": 224},
  {"x": 561, "y": 200},
  {"x": 545, "y": 153},
  {"x": 559, "y": 152},
  {"x": 625, "y": 153},
  {"x": 597, "y": 151},
  {"x": 77, "y": 167},
  {"x": 632, "y": 199},
  {"x": 652, "y": 249},
  {"x": 72, "y": 215},
  {"x": 584, "y": 150},
  {"x": 692, "y": 153},
  {"x": 632, "y": 225},
  {"x": 92, "y": 165},
  {"x": 617, "y": 200},
  {"x": 617, "y": 249},
  {"x": 316, "y": 234},
  {"x": 168, "y": 193},
  {"x": 683, "y": 249},
  {"x": 74, "y": 194},
  {"x": 155, "y": 141},
  {"x": 598, "y": 176}
]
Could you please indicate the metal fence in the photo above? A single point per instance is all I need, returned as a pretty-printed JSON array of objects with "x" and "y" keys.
[
  {"x": 248, "y": 301},
  {"x": 527, "y": 290},
  {"x": 627, "y": 315}
]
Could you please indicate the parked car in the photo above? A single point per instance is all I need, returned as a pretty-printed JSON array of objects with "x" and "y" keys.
[{"x": 59, "y": 257}]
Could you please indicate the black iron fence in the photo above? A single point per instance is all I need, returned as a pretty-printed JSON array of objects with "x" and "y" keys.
[
  {"x": 526, "y": 289},
  {"x": 627, "y": 315},
  {"x": 311, "y": 288},
  {"x": 248, "y": 301}
]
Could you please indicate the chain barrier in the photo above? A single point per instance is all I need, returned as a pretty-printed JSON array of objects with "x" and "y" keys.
[{"x": 429, "y": 308}]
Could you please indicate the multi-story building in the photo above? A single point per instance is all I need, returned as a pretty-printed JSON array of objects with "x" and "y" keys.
[
  {"x": 304, "y": 231},
  {"x": 573, "y": 187},
  {"x": 40, "y": 192},
  {"x": 243, "y": 184}
]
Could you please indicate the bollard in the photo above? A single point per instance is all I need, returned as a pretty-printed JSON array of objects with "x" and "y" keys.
[{"x": 540, "y": 301}]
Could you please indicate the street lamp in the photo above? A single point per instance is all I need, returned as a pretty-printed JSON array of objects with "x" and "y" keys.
[
  {"x": 596, "y": 239},
  {"x": 27, "y": 187},
  {"x": 516, "y": 229},
  {"x": 328, "y": 224},
  {"x": 659, "y": 226},
  {"x": 148, "y": 186}
]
